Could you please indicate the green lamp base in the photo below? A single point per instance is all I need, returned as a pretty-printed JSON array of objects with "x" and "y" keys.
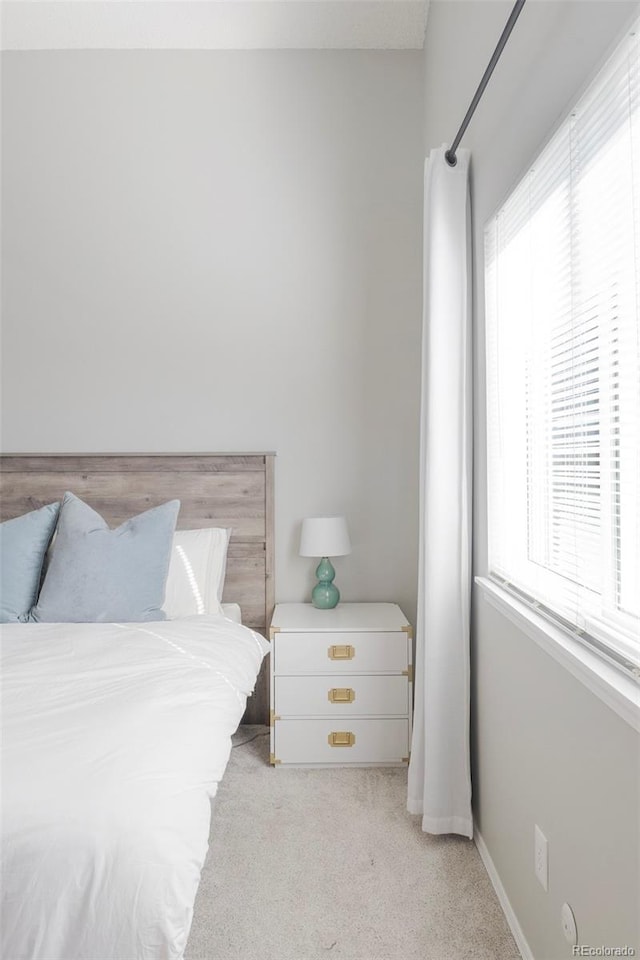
[{"x": 325, "y": 595}]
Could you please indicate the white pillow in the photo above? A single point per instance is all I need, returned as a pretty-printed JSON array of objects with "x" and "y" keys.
[
  {"x": 232, "y": 611},
  {"x": 196, "y": 572}
]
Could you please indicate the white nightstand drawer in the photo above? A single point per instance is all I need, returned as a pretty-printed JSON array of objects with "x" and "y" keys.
[
  {"x": 342, "y": 696},
  {"x": 340, "y": 653},
  {"x": 343, "y": 740}
]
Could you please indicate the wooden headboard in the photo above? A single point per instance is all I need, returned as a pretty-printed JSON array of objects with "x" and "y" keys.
[{"x": 222, "y": 489}]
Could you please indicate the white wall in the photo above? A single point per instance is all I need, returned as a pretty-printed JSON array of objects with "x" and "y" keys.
[
  {"x": 220, "y": 251},
  {"x": 545, "y": 750}
]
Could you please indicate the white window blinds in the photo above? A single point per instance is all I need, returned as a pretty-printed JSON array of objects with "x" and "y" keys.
[{"x": 563, "y": 369}]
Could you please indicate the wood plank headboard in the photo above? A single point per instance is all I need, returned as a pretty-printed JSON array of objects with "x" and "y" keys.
[{"x": 222, "y": 489}]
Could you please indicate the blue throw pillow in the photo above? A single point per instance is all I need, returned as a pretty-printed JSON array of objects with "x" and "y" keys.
[
  {"x": 23, "y": 545},
  {"x": 100, "y": 575}
]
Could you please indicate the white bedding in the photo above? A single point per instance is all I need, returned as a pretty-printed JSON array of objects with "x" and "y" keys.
[
  {"x": 232, "y": 611},
  {"x": 114, "y": 739}
]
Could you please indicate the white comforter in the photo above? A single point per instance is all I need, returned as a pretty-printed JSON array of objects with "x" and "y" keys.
[{"x": 115, "y": 736}]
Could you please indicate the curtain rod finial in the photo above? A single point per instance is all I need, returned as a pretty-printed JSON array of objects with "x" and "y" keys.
[{"x": 451, "y": 158}]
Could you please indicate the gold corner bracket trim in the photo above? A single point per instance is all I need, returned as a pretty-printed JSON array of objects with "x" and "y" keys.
[
  {"x": 408, "y": 673},
  {"x": 273, "y": 631},
  {"x": 408, "y": 629},
  {"x": 272, "y": 759},
  {"x": 273, "y": 716}
]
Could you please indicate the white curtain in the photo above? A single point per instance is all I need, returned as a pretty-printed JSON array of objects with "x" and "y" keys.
[{"x": 439, "y": 770}]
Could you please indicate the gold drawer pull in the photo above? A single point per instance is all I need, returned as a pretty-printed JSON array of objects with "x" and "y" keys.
[
  {"x": 341, "y": 651},
  {"x": 341, "y": 738},
  {"x": 341, "y": 695}
]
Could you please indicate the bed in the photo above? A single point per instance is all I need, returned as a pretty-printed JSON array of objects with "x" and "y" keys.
[{"x": 116, "y": 735}]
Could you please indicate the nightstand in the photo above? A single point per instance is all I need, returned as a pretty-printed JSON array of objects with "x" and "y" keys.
[{"x": 341, "y": 684}]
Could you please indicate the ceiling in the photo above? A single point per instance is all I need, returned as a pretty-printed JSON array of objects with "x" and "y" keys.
[{"x": 213, "y": 24}]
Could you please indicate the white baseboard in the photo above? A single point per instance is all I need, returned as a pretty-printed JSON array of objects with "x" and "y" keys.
[{"x": 512, "y": 920}]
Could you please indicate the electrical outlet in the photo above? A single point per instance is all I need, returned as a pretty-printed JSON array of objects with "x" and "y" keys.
[
  {"x": 569, "y": 927},
  {"x": 541, "y": 857}
]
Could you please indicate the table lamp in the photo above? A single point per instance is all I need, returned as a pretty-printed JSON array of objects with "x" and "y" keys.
[{"x": 325, "y": 537}]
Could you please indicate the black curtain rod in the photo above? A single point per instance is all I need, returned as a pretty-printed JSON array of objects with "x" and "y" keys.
[{"x": 450, "y": 155}]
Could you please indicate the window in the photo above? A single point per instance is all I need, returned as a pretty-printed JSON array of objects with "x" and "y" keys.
[{"x": 563, "y": 370}]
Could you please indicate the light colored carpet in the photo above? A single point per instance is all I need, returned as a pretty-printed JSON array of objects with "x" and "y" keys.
[{"x": 308, "y": 864}]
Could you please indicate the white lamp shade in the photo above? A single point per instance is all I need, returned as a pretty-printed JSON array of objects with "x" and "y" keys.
[{"x": 324, "y": 537}]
